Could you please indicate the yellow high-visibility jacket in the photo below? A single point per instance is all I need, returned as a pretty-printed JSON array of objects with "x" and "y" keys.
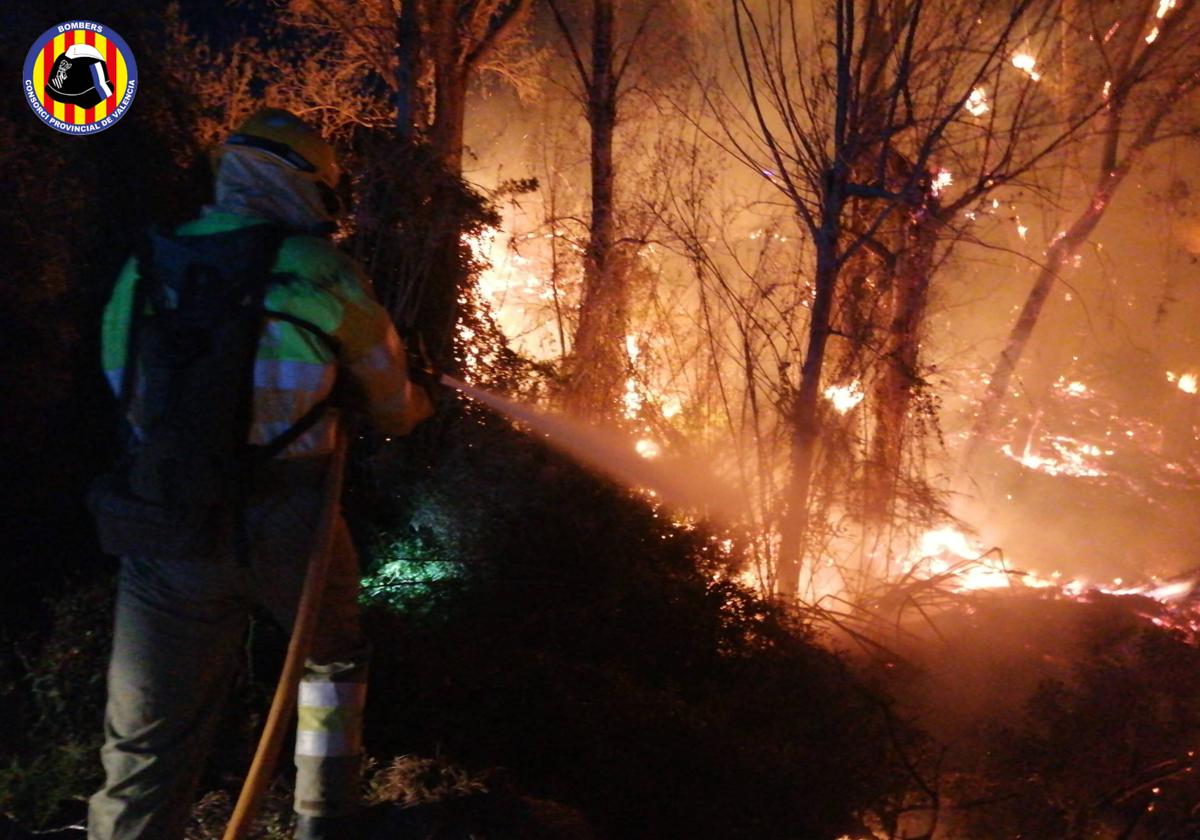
[{"x": 295, "y": 369}]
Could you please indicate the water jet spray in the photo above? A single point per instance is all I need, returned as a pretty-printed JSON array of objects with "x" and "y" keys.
[{"x": 679, "y": 484}]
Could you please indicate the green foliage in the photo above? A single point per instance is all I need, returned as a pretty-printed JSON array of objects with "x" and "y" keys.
[
  {"x": 406, "y": 572},
  {"x": 52, "y": 697}
]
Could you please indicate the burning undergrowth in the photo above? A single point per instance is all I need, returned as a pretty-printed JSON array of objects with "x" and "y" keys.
[
  {"x": 1053, "y": 711},
  {"x": 1099, "y": 476}
]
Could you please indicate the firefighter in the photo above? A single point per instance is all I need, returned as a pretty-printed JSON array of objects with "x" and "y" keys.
[{"x": 180, "y": 621}]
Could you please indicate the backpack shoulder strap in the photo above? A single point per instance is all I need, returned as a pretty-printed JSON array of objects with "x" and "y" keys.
[
  {"x": 282, "y": 441},
  {"x": 144, "y": 259},
  {"x": 129, "y": 372},
  {"x": 333, "y": 400},
  {"x": 332, "y": 344}
]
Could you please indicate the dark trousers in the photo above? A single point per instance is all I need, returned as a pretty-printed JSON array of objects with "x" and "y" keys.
[{"x": 179, "y": 629}]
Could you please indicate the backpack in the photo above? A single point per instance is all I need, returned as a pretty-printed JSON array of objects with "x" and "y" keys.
[{"x": 181, "y": 487}]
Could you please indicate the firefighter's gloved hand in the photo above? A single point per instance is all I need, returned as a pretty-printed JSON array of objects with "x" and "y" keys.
[{"x": 422, "y": 369}]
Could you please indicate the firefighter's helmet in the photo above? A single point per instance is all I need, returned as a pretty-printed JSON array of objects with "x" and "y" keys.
[
  {"x": 290, "y": 139},
  {"x": 79, "y": 77}
]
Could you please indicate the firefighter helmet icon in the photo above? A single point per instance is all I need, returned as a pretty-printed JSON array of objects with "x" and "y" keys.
[{"x": 80, "y": 77}]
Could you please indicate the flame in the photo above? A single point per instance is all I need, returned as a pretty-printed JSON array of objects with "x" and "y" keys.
[
  {"x": 962, "y": 563},
  {"x": 845, "y": 397},
  {"x": 510, "y": 284},
  {"x": 631, "y": 347},
  {"x": 977, "y": 103},
  {"x": 648, "y": 449},
  {"x": 1025, "y": 62},
  {"x": 941, "y": 540}
]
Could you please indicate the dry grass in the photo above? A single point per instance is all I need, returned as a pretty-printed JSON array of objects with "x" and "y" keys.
[
  {"x": 275, "y": 820},
  {"x": 416, "y": 799}
]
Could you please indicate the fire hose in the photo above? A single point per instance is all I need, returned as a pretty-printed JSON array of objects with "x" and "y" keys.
[{"x": 303, "y": 629}]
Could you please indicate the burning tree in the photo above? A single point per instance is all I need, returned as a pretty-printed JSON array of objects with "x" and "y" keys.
[
  {"x": 603, "y": 61},
  {"x": 883, "y": 127},
  {"x": 1141, "y": 62}
]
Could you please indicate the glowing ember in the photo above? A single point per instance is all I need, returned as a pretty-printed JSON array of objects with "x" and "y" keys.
[
  {"x": 845, "y": 397},
  {"x": 941, "y": 181},
  {"x": 1164, "y": 6},
  {"x": 632, "y": 400},
  {"x": 1070, "y": 458},
  {"x": 1027, "y": 63},
  {"x": 1071, "y": 389},
  {"x": 1188, "y": 383},
  {"x": 977, "y": 103}
]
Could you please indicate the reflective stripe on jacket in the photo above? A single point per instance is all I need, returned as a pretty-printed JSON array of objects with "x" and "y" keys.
[{"x": 294, "y": 369}]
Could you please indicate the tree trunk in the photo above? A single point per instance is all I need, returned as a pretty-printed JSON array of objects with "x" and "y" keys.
[
  {"x": 805, "y": 419},
  {"x": 409, "y": 113},
  {"x": 450, "y": 87},
  {"x": 1061, "y": 252},
  {"x": 449, "y": 274},
  {"x": 894, "y": 388},
  {"x": 598, "y": 363}
]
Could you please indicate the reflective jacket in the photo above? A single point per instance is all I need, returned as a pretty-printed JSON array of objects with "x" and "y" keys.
[{"x": 294, "y": 369}]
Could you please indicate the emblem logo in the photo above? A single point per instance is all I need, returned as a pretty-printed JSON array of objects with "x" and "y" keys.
[{"x": 80, "y": 77}]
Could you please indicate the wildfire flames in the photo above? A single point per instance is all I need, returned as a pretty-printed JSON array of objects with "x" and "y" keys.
[
  {"x": 977, "y": 103},
  {"x": 960, "y": 564},
  {"x": 1186, "y": 382},
  {"x": 1028, "y": 64},
  {"x": 519, "y": 300},
  {"x": 845, "y": 397},
  {"x": 1067, "y": 456}
]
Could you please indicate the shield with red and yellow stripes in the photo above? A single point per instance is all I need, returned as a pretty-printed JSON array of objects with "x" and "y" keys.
[{"x": 80, "y": 77}]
